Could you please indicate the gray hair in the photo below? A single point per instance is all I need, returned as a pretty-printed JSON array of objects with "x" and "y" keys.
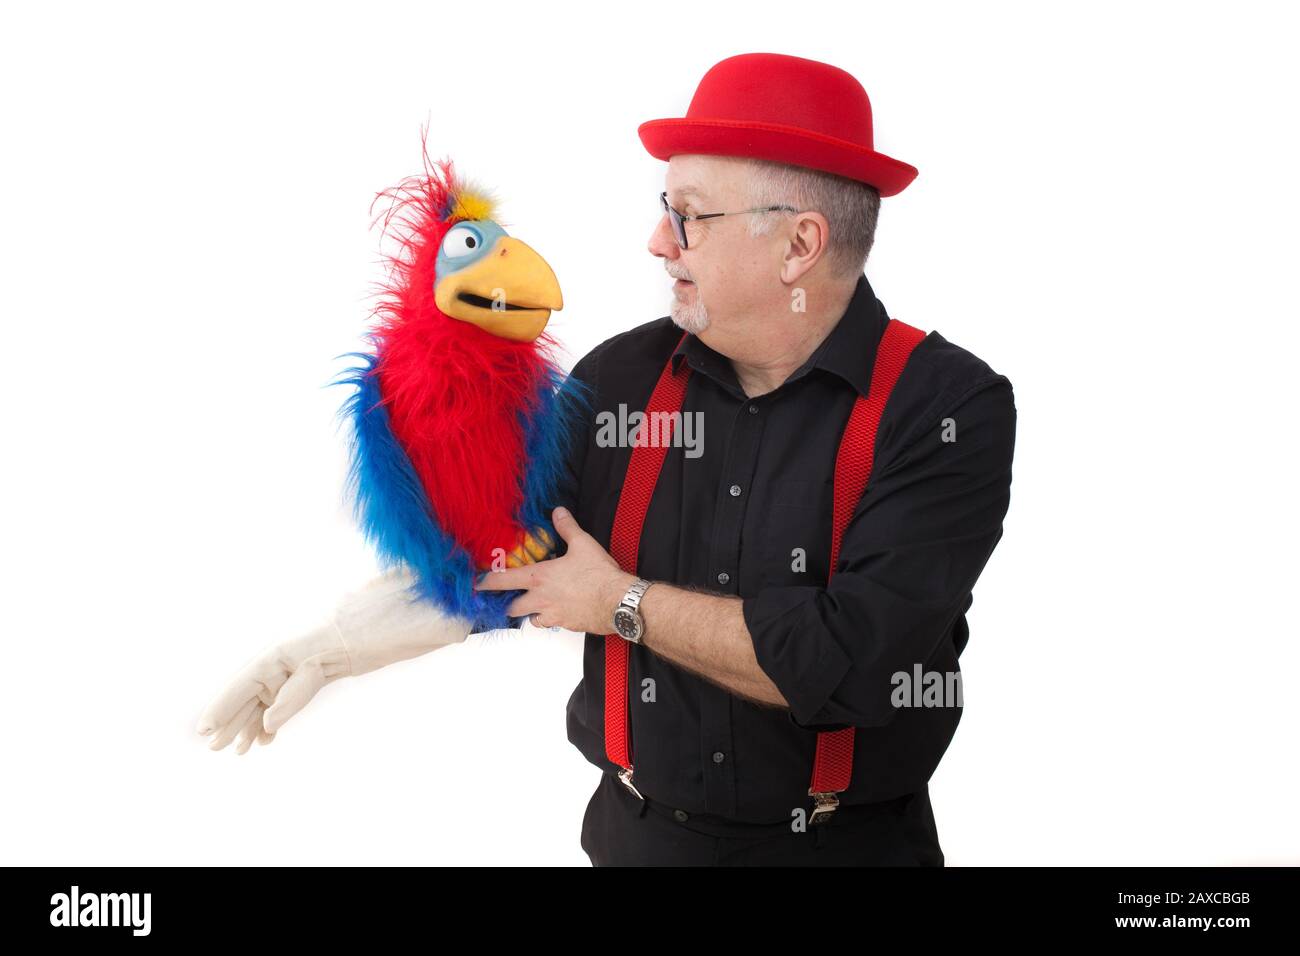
[{"x": 850, "y": 207}]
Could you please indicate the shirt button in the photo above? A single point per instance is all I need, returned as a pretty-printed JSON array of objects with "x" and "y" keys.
[
  {"x": 681, "y": 816},
  {"x": 753, "y": 409},
  {"x": 723, "y": 577},
  {"x": 735, "y": 491},
  {"x": 719, "y": 756}
]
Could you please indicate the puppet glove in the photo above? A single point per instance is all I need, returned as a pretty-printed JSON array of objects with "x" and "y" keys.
[{"x": 380, "y": 624}]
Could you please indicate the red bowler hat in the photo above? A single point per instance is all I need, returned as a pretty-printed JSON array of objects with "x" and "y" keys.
[{"x": 782, "y": 108}]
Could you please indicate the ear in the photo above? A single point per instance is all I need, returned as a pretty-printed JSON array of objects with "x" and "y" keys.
[{"x": 807, "y": 245}]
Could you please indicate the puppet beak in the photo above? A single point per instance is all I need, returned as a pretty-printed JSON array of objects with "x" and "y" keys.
[{"x": 509, "y": 293}]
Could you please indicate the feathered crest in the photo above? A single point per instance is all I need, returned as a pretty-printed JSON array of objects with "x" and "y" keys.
[
  {"x": 435, "y": 201},
  {"x": 421, "y": 211}
]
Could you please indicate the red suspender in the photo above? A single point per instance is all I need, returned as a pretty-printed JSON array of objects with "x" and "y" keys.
[
  {"x": 625, "y": 540},
  {"x": 833, "y": 764}
]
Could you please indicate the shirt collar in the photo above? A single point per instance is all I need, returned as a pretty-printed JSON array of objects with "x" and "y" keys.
[{"x": 848, "y": 351}]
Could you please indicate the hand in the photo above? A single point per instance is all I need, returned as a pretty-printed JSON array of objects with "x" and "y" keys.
[
  {"x": 577, "y": 592},
  {"x": 371, "y": 628},
  {"x": 273, "y": 687}
]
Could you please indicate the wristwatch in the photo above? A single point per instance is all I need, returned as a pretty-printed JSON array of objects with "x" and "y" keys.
[{"x": 628, "y": 622}]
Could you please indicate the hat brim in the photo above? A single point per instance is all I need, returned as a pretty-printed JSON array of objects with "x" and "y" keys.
[{"x": 663, "y": 138}]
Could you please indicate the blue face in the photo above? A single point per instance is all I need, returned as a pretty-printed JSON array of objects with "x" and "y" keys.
[{"x": 466, "y": 243}]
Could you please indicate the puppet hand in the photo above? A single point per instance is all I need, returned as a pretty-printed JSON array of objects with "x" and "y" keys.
[
  {"x": 274, "y": 686},
  {"x": 372, "y": 627}
]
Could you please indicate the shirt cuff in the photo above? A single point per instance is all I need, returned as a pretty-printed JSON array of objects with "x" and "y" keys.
[{"x": 797, "y": 652}]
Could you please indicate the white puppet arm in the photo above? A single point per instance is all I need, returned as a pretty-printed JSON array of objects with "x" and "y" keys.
[
  {"x": 382, "y": 623},
  {"x": 376, "y": 625}
]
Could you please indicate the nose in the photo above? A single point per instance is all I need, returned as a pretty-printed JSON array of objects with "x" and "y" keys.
[{"x": 662, "y": 241}]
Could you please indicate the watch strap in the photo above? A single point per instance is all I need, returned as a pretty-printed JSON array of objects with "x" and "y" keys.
[{"x": 634, "y": 594}]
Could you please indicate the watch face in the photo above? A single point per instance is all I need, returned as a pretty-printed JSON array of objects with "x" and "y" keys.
[{"x": 628, "y": 624}]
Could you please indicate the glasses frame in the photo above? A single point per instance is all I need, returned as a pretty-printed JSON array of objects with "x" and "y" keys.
[{"x": 679, "y": 221}]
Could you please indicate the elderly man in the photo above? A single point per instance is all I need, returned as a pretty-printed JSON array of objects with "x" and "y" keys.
[
  {"x": 773, "y": 571},
  {"x": 741, "y": 667}
]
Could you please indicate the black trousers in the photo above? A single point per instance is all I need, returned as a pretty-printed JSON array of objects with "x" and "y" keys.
[{"x": 620, "y": 830}]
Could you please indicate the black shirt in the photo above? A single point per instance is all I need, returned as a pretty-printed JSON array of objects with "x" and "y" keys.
[{"x": 728, "y": 515}]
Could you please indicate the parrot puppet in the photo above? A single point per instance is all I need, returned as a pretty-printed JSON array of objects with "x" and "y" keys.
[{"x": 460, "y": 417}]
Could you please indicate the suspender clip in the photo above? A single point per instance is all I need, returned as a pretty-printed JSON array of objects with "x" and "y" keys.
[
  {"x": 626, "y": 776},
  {"x": 826, "y": 804}
]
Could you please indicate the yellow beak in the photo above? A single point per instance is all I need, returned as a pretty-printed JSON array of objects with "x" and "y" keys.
[{"x": 510, "y": 292}]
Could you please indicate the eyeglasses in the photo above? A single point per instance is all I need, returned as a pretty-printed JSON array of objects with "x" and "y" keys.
[{"x": 679, "y": 221}]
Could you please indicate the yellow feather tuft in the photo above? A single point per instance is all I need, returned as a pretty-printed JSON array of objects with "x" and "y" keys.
[{"x": 472, "y": 204}]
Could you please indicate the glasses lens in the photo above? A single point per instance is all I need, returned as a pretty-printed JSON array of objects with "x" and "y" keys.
[{"x": 679, "y": 227}]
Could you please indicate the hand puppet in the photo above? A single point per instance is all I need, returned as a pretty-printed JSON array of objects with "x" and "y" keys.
[{"x": 460, "y": 416}]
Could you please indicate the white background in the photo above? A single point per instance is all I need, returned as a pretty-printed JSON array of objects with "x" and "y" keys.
[{"x": 1106, "y": 212}]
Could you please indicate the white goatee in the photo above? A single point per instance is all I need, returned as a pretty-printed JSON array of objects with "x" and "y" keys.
[{"x": 690, "y": 317}]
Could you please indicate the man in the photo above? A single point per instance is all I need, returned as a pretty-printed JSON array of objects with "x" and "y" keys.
[{"x": 747, "y": 655}]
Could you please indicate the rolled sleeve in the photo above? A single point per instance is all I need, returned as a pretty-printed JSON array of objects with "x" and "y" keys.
[
  {"x": 909, "y": 558},
  {"x": 805, "y": 671}
]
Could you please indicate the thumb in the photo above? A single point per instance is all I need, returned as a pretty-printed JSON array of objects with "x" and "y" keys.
[{"x": 567, "y": 525}]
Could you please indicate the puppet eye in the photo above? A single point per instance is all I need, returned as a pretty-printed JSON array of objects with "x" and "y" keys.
[{"x": 461, "y": 241}]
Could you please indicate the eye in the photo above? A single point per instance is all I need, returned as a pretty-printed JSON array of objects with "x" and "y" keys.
[{"x": 461, "y": 241}]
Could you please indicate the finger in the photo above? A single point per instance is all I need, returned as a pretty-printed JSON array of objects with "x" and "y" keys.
[
  {"x": 263, "y": 737},
  {"x": 228, "y": 732},
  {"x": 223, "y": 708},
  {"x": 258, "y": 679},
  {"x": 301, "y": 687},
  {"x": 216, "y": 732},
  {"x": 522, "y": 606},
  {"x": 507, "y": 579},
  {"x": 248, "y": 733}
]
